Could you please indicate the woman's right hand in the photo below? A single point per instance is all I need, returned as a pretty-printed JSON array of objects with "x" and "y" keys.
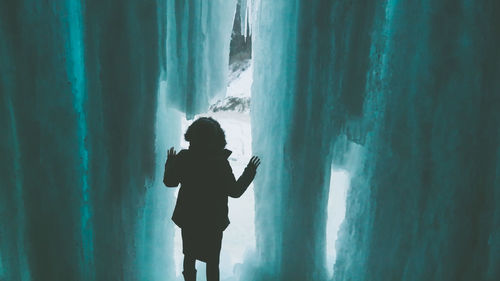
[{"x": 171, "y": 153}]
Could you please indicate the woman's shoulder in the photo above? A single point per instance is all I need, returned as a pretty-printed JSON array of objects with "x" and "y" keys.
[
  {"x": 183, "y": 152},
  {"x": 182, "y": 155}
]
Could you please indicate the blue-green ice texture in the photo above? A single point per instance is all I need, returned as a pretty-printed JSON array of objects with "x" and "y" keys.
[{"x": 402, "y": 96}]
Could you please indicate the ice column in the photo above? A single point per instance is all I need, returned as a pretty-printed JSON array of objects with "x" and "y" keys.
[{"x": 293, "y": 129}]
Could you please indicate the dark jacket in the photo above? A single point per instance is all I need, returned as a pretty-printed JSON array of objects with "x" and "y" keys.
[{"x": 206, "y": 181}]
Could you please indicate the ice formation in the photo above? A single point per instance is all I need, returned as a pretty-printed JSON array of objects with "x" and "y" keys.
[
  {"x": 412, "y": 86},
  {"x": 78, "y": 93},
  {"x": 403, "y": 96},
  {"x": 198, "y": 36}
]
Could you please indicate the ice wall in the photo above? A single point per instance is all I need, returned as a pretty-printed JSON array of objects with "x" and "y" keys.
[
  {"x": 415, "y": 84},
  {"x": 78, "y": 103},
  {"x": 43, "y": 159},
  {"x": 431, "y": 162}
]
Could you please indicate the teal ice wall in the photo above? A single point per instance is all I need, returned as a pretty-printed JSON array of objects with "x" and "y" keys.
[
  {"x": 416, "y": 85},
  {"x": 78, "y": 102}
]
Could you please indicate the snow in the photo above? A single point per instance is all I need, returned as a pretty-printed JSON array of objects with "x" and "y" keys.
[{"x": 240, "y": 79}]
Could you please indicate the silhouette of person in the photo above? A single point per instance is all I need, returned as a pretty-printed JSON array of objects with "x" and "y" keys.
[{"x": 206, "y": 180}]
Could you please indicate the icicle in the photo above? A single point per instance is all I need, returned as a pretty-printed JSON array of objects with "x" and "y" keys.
[{"x": 198, "y": 36}]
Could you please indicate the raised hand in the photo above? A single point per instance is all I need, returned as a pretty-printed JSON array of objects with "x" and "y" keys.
[
  {"x": 171, "y": 153},
  {"x": 254, "y": 162}
]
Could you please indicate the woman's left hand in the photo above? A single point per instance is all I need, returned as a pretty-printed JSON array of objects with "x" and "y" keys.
[{"x": 254, "y": 163}]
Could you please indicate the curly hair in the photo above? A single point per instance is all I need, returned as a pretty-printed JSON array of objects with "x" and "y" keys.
[{"x": 206, "y": 133}]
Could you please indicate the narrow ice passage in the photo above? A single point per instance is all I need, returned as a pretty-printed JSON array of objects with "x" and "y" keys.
[{"x": 92, "y": 94}]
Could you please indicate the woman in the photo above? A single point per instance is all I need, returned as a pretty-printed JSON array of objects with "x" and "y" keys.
[{"x": 206, "y": 180}]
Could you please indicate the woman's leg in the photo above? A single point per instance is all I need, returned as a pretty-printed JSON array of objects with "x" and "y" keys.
[
  {"x": 189, "y": 268},
  {"x": 213, "y": 270},
  {"x": 189, "y": 263},
  {"x": 213, "y": 261}
]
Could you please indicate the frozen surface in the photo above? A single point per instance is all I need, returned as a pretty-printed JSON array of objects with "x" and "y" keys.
[
  {"x": 414, "y": 86},
  {"x": 78, "y": 140},
  {"x": 401, "y": 95}
]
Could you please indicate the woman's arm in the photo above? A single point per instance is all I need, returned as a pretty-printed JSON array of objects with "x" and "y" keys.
[
  {"x": 171, "y": 175},
  {"x": 236, "y": 188}
]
